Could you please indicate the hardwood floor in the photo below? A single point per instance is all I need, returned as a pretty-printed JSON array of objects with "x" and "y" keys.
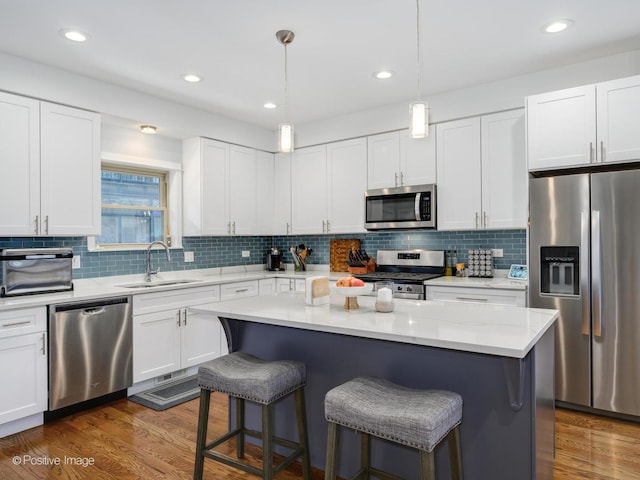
[{"x": 124, "y": 440}]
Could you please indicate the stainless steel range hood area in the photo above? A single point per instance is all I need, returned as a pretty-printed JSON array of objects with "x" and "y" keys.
[{"x": 36, "y": 270}]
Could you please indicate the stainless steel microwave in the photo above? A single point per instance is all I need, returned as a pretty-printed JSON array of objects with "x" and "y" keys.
[{"x": 400, "y": 208}]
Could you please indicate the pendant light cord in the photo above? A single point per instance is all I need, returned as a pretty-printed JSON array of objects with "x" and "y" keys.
[
  {"x": 418, "y": 43},
  {"x": 286, "y": 95}
]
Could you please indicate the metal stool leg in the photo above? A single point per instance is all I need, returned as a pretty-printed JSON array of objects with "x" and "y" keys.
[
  {"x": 303, "y": 436},
  {"x": 203, "y": 422},
  {"x": 427, "y": 465},
  {"x": 365, "y": 455},
  {"x": 267, "y": 442},
  {"x": 333, "y": 444},
  {"x": 455, "y": 453},
  {"x": 240, "y": 425}
]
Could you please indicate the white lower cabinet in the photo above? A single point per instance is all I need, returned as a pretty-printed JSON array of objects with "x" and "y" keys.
[
  {"x": 166, "y": 337},
  {"x": 267, "y": 286},
  {"x": 495, "y": 296},
  {"x": 23, "y": 367},
  {"x": 291, "y": 284}
]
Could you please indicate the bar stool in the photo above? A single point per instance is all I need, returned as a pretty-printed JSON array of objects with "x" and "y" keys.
[
  {"x": 421, "y": 419},
  {"x": 246, "y": 377}
]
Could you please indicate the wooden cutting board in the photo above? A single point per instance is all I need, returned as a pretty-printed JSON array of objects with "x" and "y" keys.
[{"x": 339, "y": 253}]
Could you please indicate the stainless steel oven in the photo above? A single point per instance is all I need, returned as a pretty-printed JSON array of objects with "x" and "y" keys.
[{"x": 401, "y": 207}]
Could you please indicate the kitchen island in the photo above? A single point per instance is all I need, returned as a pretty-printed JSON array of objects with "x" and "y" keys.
[{"x": 500, "y": 359}]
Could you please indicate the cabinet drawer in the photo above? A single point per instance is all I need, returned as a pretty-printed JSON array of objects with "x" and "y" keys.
[
  {"x": 179, "y": 298},
  {"x": 23, "y": 321},
  {"x": 493, "y": 296},
  {"x": 230, "y": 291}
]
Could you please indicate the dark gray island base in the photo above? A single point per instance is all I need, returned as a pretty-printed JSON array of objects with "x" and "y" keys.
[{"x": 508, "y": 417}]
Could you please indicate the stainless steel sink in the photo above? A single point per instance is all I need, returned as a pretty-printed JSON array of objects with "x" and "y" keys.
[{"x": 163, "y": 283}]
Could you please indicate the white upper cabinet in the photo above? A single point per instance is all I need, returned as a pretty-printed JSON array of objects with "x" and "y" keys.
[
  {"x": 347, "y": 171},
  {"x": 51, "y": 162},
  {"x": 482, "y": 177},
  {"x": 222, "y": 189},
  {"x": 282, "y": 194},
  {"x": 309, "y": 190},
  {"x": 265, "y": 193},
  {"x": 20, "y": 157},
  {"x": 395, "y": 159},
  {"x": 618, "y": 105},
  {"x": 584, "y": 125}
]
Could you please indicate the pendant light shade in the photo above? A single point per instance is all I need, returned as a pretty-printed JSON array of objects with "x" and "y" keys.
[
  {"x": 419, "y": 118},
  {"x": 418, "y": 110},
  {"x": 285, "y": 138},
  {"x": 285, "y": 130}
]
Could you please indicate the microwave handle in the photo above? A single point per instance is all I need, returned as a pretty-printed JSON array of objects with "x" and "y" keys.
[{"x": 417, "y": 207}]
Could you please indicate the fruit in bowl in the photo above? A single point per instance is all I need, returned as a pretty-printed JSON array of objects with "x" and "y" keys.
[{"x": 349, "y": 282}]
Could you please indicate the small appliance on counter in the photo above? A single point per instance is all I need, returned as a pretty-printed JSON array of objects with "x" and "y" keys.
[
  {"x": 274, "y": 260},
  {"x": 28, "y": 271}
]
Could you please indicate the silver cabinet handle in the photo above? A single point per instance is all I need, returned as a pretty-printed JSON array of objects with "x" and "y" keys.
[
  {"x": 476, "y": 219},
  {"x": 15, "y": 324},
  {"x": 240, "y": 290},
  {"x": 328, "y": 226},
  {"x": 229, "y": 228},
  {"x": 234, "y": 228},
  {"x": 46, "y": 224},
  {"x": 179, "y": 318},
  {"x": 470, "y": 299},
  {"x": 185, "y": 317},
  {"x": 590, "y": 152},
  {"x": 44, "y": 352},
  {"x": 584, "y": 270},
  {"x": 596, "y": 266},
  {"x": 288, "y": 228},
  {"x": 36, "y": 226},
  {"x": 484, "y": 221},
  {"x": 395, "y": 181},
  {"x": 401, "y": 179},
  {"x": 601, "y": 151},
  {"x": 324, "y": 227}
]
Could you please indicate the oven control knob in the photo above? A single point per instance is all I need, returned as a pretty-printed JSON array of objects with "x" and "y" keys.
[
  {"x": 409, "y": 289},
  {"x": 399, "y": 287}
]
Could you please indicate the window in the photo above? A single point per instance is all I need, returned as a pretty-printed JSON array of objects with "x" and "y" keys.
[{"x": 134, "y": 207}]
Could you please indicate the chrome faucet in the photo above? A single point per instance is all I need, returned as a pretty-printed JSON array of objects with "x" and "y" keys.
[{"x": 147, "y": 277}]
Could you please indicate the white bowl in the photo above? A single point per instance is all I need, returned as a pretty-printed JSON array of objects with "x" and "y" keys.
[{"x": 352, "y": 291}]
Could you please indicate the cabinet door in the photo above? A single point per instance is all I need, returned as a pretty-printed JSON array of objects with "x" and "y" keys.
[
  {"x": 561, "y": 128},
  {"x": 23, "y": 376},
  {"x": 504, "y": 171},
  {"x": 492, "y": 296},
  {"x": 459, "y": 193},
  {"x": 309, "y": 190},
  {"x": 20, "y": 154},
  {"x": 418, "y": 158},
  {"x": 156, "y": 344},
  {"x": 243, "y": 189},
  {"x": 70, "y": 171},
  {"x": 265, "y": 193},
  {"x": 383, "y": 154},
  {"x": 283, "y": 284},
  {"x": 347, "y": 165},
  {"x": 200, "y": 338},
  {"x": 282, "y": 194},
  {"x": 618, "y": 106},
  {"x": 267, "y": 286}
]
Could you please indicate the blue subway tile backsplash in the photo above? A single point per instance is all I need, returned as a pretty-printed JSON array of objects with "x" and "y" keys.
[{"x": 212, "y": 252}]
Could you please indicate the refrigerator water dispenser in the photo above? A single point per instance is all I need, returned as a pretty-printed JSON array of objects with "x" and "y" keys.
[{"x": 559, "y": 270}]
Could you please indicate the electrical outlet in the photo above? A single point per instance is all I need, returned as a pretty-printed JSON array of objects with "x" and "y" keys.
[
  {"x": 246, "y": 253},
  {"x": 497, "y": 252},
  {"x": 189, "y": 257},
  {"x": 76, "y": 262}
]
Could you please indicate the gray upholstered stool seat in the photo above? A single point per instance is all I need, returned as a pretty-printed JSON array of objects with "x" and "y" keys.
[
  {"x": 248, "y": 378},
  {"x": 420, "y": 419}
]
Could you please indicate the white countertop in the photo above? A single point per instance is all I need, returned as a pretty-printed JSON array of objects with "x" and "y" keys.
[
  {"x": 489, "y": 329},
  {"x": 500, "y": 280}
]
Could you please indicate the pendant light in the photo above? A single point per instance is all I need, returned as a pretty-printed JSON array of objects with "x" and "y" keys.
[
  {"x": 285, "y": 130},
  {"x": 418, "y": 110}
]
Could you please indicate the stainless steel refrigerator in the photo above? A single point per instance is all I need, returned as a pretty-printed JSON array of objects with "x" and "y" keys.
[{"x": 584, "y": 260}]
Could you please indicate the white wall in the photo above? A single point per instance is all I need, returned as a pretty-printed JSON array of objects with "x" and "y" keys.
[
  {"x": 132, "y": 143},
  {"x": 24, "y": 77},
  {"x": 490, "y": 97}
]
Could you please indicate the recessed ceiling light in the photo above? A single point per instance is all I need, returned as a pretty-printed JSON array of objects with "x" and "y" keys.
[
  {"x": 74, "y": 35},
  {"x": 150, "y": 129},
  {"x": 192, "y": 78},
  {"x": 383, "y": 74},
  {"x": 270, "y": 105},
  {"x": 557, "y": 26}
]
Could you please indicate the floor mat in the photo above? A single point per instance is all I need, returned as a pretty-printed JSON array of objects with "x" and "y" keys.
[{"x": 169, "y": 394}]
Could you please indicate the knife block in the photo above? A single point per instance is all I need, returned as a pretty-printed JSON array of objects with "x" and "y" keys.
[{"x": 369, "y": 267}]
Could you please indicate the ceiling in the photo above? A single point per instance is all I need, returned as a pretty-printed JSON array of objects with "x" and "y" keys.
[{"x": 147, "y": 45}]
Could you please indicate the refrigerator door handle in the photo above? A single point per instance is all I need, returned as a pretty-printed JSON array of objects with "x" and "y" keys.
[
  {"x": 596, "y": 278},
  {"x": 584, "y": 270}
]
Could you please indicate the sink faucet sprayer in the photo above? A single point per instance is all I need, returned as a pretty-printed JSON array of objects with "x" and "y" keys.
[{"x": 147, "y": 277}]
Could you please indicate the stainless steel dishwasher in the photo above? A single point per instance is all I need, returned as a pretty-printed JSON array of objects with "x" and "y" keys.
[{"x": 90, "y": 350}]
